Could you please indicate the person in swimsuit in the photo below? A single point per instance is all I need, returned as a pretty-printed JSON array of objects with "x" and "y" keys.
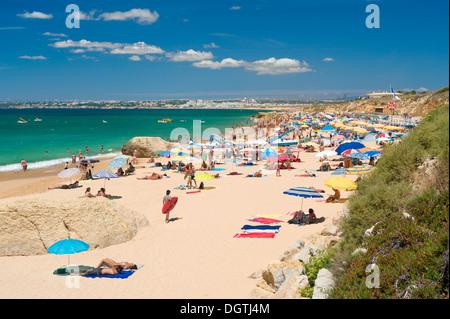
[
  {"x": 114, "y": 270},
  {"x": 24, "y": 165},
  {"x": 108, "y": 262}
]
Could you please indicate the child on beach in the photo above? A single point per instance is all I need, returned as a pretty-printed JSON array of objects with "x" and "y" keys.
[{"x": 165, "y": 199}]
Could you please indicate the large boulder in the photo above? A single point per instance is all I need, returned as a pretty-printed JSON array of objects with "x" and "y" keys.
[
  {"x": 146, "y": 146},
  {"x": 30, "y": 227},
  {"x": 276, "y": 272}
]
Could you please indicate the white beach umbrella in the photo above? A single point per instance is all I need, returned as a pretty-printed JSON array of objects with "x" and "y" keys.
[
  {"x": 326, "y": 154},
  {"x": 69, "y": 173}
]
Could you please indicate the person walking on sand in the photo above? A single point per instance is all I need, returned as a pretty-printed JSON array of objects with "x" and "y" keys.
[
  {"x": 165, "y": 199},
  {"x": 24, "y": 165}
]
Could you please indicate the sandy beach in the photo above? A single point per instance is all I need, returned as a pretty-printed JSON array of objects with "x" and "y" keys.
[{"x": 193, "y": 256}]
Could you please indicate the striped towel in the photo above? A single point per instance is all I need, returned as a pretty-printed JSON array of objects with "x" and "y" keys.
[
  {"x": 260, "y": 229},
  {"x": 255, "y": 235},
  {"x": 266, "y": 221}
]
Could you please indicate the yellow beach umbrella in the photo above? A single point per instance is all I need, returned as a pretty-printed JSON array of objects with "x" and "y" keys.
[
  {"x": 361, "y": 169},
  {"x": 176, "y": 150},
  {"x": 340, "y": 183}
]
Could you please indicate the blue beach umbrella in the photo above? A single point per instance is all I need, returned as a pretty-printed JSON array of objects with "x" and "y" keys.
[
  {"x": 68, "y": 247},
  {"x": 373, "y": 153},
  {"x": 303, "y": 192},
  {"x": 104, "y": 174},
  {"x": 268, "y": 152},
  {"x": 350, "y": 145},
  {"x": 117, "y": 163}
]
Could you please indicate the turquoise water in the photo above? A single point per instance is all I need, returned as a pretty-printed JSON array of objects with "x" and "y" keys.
[{"x": 73, "y": 129}]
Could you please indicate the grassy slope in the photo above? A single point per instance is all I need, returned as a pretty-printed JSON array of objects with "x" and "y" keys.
[{"x": 408, "y": 253}]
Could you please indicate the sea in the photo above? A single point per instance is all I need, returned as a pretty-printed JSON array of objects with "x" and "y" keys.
[{"x": 62, "y": 132}]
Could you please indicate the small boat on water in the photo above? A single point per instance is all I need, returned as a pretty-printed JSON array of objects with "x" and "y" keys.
[
  {"x": 105, "y": 121},
  {"x": 37, "y": 120},
  {"x": 165, "y": 120},
  {"x": 22, "y": 121}
]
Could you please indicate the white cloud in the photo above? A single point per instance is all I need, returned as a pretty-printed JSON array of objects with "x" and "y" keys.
[
  {"x": 150, "y": 57},
  {"x": 85, "y": 16},
  {"x": 235, "y": 8},
  {"x": 36, "y": 57},
  {"x": 225, "y": 63},
  {"x": 278, "y": 66},
  {"x": 35, "y": 15},
  {"x": 189, "y": 55},
  {"x": 270, "y": 66},
  {"x": 134, "y": 58},
  {"x": 138, "y": 48},
  {"x": 54, "y": 34},
  {"x": 328, "y": 59},
  {"x": 143, "y": 16},
  {"x": 86, "y": 44},
  {"x": 92, "y": 49},
  {"x": 211, "y": 45}
]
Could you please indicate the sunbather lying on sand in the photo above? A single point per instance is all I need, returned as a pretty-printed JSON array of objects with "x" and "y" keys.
[
  {"x": 234, "y": 173},
  {"x": 116, "y": 269},
  {"x": 306, "y": 174},
  {"x": 108, "y": 262},
  {"x": 317, "y": 190},
  {"x": 256, "y": 174},
  {"x": 75, "y": 184},
  {"x": 153, "y": 176}
]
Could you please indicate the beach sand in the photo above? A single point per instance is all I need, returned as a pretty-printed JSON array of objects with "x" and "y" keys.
[{"x": 193, "y": 256}]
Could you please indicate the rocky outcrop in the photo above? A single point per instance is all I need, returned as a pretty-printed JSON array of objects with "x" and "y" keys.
[
  {"x": 30, "y": 227},
  {"x": 146, "y": 146}
]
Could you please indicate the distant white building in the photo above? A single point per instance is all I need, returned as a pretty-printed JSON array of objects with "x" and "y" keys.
[{"x": 381, "y": 94}]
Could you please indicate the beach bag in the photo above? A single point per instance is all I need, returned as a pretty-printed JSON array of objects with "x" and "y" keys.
[{"x": 201, "y": 186}]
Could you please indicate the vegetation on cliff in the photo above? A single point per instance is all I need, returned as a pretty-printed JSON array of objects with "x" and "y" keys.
[{"x": 405, "y": 203}]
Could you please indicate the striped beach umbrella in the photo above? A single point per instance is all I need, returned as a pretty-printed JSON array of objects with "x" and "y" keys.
[
  {"x": 303, "y": 192},
  {"x": 105, "y": 174},
  {"x": 360, "y": 169}
]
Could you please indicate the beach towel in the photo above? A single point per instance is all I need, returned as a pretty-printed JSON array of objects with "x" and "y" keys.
[
  {"x": 260, "y": 228},
  {"x": 266, "y": 221},
  {"x": 321, "y": 200},
  {"x": 122, "y": 275},
  {"x": 255, "y": 235},
  {"x": 290, "y": 213},
  {"x": 219, "y": 169}
]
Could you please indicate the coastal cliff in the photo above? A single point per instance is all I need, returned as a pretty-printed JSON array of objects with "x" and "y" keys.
[{"x": 146, "y": 146}]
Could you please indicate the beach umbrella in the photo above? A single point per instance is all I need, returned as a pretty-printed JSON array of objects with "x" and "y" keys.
[
  {"x": 384, "y": 139},
  {"x": 373, "y": 153},
  {"x": 340, "y": 171},
  {"x": 360, "y": 169},
  {"x": 68, "y": 173},
  {"x": 176, "y": 150},
  {"x": 68, "y": 247},
  {"x": 359, "y": 155},
  {"x": 158, "y": 152},
  {"x": 90, "y": 160},
  {"x": 349, "y": 145},
  {"x": 117, "y": 163},
  {"x": 325, "y": 154},
  {"x": 350, "y": 151},
  {"x": 122, "y": 156},
  {"x": 340, "y": 183},
  {"x": 338, "y": 137},
  {"x": 105, "y": 174},
  {"x": 303, "y": 192},
  {"x": 167, "y": 153},
  {"x": 268, "y": 152}
]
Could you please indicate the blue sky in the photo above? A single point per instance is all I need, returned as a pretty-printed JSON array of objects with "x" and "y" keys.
[{"x": 147, "y": 50}]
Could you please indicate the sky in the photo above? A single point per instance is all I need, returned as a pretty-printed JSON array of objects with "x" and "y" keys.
[{"x": 220, "y": 49}]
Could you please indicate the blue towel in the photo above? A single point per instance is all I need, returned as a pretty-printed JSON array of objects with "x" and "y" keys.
[
  {"x": 219, "y": 169},
  {"x": 122, "y": 275}
]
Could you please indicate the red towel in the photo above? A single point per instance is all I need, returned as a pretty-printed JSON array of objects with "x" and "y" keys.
[
  {"x": 255, "y": 235},
  {"x": 264, "y": 220}
]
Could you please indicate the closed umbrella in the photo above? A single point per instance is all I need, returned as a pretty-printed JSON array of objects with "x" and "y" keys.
[
  {"x": 68, "y": 247},
  {"x": 303, "y": 192}
]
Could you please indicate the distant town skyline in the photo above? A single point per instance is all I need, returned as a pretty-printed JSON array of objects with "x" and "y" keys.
[{"x": 155, "y": 50}]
